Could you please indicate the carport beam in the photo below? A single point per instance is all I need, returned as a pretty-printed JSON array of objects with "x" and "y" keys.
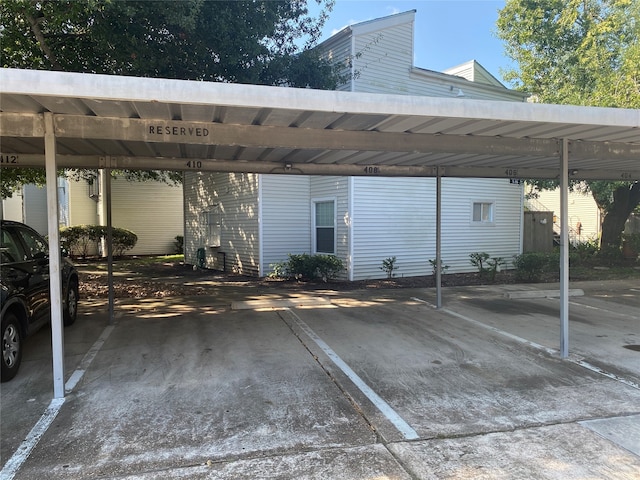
[
  {"x": 564, "y": 250},
  {"x": 57, "y": 337}
]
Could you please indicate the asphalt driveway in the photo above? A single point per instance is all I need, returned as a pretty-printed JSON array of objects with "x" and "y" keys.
[{"x": 358, "y": 384}]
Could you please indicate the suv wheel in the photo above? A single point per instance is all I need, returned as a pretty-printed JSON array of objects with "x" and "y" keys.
[
  {"x": 71, "y": 304},
  {"x": 11, "y": 347}
]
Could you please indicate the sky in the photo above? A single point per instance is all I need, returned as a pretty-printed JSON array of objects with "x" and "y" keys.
[{"x": 447, "y": 32}]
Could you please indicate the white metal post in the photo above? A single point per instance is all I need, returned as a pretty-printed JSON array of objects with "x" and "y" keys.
[
  {"x": 438, "y": 240},
  {"x": 107, "y": 183},
  {"x": 564, "y": 250},
  {"x": 57, "y": 334}
]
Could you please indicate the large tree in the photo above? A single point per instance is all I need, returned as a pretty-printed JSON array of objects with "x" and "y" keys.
[
  {"x": 258, "y": 42},
  {"x": 579, "y": 52}
]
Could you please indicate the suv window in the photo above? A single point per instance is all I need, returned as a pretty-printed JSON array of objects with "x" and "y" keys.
[
  {"x": 36, "y": 247},
  {"x": 9, "y": 249}
]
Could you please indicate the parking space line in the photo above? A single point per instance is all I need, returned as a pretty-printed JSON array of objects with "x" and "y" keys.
[
  {"x": 20, "y": 456},
  {"x": 518, "y": 339},
  {"x": 88, "y": 358},
  {"x": 403, "y": 427},
  {"x": 573, "y": 359}
]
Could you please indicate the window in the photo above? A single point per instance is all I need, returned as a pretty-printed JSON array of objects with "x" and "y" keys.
[
  {"x": 213, "y": 224},
  {"x": 324, "y": 226},
  {"x": 36, "y": 247},
  {"x": 483, "y": 212}
]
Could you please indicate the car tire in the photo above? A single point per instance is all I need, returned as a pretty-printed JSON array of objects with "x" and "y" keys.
[
  {"x": 70, "y": 312},
  {"x": 11, "y": 346}
]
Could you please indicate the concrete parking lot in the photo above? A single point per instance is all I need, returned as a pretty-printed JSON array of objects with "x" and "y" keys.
[{"x": 348, "y": 385}]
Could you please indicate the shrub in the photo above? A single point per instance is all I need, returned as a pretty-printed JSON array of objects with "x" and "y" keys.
[
  {"x": 122, "y": 240},
  {"x": 584, "y": 251},
  {"x": 179, "y": 244},
  {"x": 434, "y": 263},
  {"x": 494, "y": 264},
  {"x": 79, "y": 239},
  {"x": 389, "y": 266},
  {"x": 530, "y": 266},
  {"x": 478, "y": 260},
  {"x": 308, "y": 267}
]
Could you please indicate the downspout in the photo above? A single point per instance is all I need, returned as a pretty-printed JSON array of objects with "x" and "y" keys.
[{"x": 57, "y": 337}]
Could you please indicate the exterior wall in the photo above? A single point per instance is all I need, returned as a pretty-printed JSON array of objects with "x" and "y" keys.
[
  {"x": 12, "y": 207},
  {"x": 336, "y": 188},
  {"x": 152, "y": 210},
  {"x": 397, "y": 217},
  {"x": 83, "y": 209},
  {"x": 237, "y": 198},
  {"x": 461, "y": 236},
  {"x": 286, "y": 218},
  {"x": 582, "y": 210},
  {"x": 393, "y": 217}
]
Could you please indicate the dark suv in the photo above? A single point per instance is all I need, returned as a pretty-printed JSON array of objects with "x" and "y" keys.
[{"x": 24, "y": 280}]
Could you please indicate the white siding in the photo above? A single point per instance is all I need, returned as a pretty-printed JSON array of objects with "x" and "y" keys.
[
  {"x": 286, "y": 218},
  {"x": 397, "y": 217},
  {"x": 237, "y": 196},
  {"x": 151, "y": 210},
  {"x": 338, "y": 188},
  {"x": 461, "y": 236},
  {"x": 393, "y": 217},
  {"x": 385, "y": 60}
]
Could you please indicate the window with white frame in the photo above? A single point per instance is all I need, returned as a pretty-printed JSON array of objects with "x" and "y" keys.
[
  {"x": 483, "y": 212},
  {"x": 324, "y": 226},
  {"x": 213, "y": 225}
]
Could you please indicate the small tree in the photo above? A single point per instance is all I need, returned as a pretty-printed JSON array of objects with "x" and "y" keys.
[{"x": 389, "y": 266}]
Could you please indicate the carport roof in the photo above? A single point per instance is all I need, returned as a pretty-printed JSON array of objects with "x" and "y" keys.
[{"x": 146, "y": 123}]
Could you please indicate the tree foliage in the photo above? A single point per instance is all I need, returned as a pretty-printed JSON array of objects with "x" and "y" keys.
[
  {"x": 579, "y": 52},
  {"x": 257, "y": 42}
]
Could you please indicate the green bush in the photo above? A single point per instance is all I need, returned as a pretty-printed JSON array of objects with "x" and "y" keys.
[
  {"x": 308, "y": 267},
  {"x": 434, "y": 264},
  {"x": 389, "y": 266},
  {"x": 122, "y": 240},
  {"x": 179, "y": 244},
  {"x": 478, "y": 260},
  {"x": 531, "y": 266},
  {"x": 78, "y": 240}
]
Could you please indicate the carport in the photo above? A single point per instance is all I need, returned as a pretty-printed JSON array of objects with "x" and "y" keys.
[{"x": 70, "y": 120}]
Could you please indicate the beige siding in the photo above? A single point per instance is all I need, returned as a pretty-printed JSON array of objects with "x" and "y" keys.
[
  {"x": 83, "y": 210},
  {"x": 237, "y": 197},
  {"x": 582, "y": 210},
  {"x": 152, "y": 210}
]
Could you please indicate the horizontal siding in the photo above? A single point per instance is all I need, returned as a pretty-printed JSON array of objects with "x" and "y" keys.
[
  {"x": 461, "y": 236},
  {"x": 152, "y": 210},
  {"x": 338, "y": 188},
  {"x": 286, "y": 218},
  {"x": 397, "y": 217},
  {"x": 237, "y": 196},
  {"x": 83, "y": 210},
  {"x": 393, "y": 217},
  {"x": 582, "y": 209},
  {"x": 338, "y": 51},
  {"x": 385, "y": 59}
]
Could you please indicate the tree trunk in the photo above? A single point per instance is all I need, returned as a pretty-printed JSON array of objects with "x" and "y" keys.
[{"x": 625, "y": 200}]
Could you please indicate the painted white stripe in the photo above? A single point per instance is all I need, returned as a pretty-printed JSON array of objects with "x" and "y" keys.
[
  {"x": 88, "y": 358},
  {"x": 403, "y": 427},
  {"x": 589, "y": 307},
  {"x": 551, "y": 351},
  {"x": 18, "y": 458}
]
